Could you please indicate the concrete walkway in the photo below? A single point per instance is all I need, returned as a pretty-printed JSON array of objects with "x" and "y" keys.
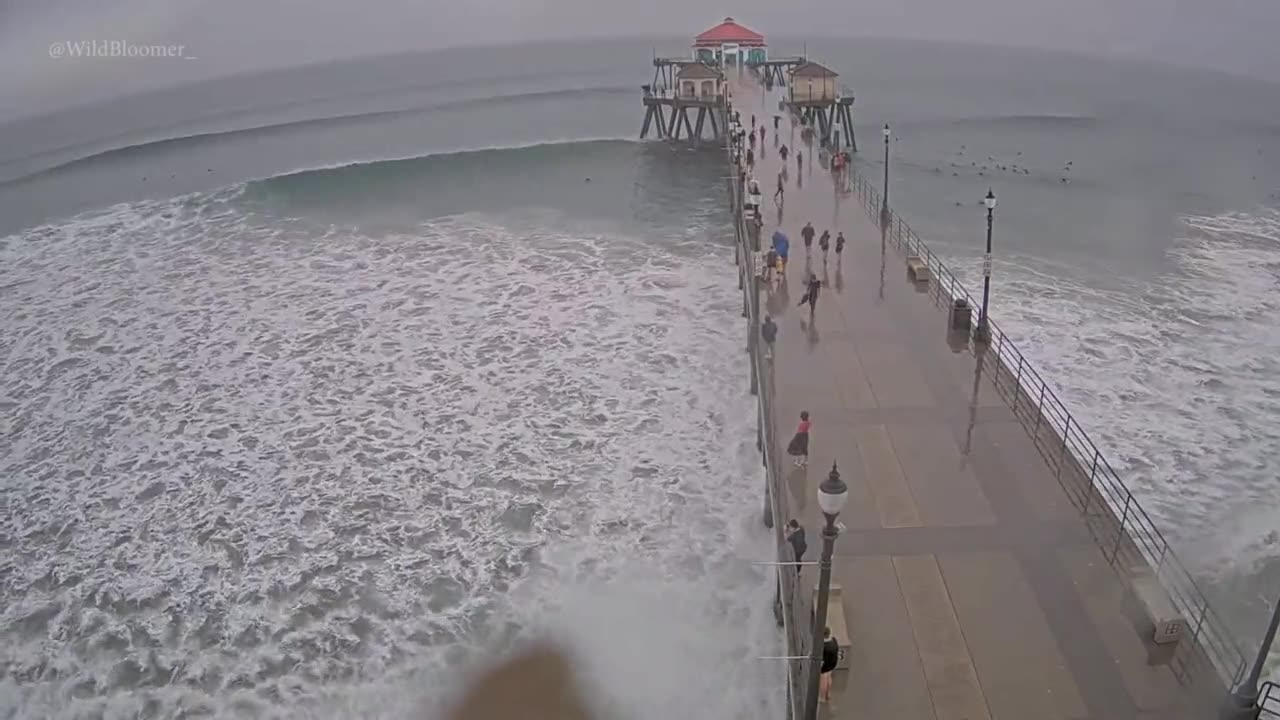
[{"x": 972, "y": 587}]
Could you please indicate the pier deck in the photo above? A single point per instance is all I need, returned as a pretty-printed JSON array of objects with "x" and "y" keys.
[{"x": 973, "y": 588}]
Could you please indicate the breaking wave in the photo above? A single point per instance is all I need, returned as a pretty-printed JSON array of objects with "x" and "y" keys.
[{"x": 62, "y": 158}]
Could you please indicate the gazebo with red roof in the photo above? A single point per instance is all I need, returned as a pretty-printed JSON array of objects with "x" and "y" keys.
[{"x": 730, "y": 45}]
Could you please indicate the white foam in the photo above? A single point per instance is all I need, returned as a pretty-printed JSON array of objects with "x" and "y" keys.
[
  {"x": 1178, "y": 382},
  {"x": 262, "y": 467}
]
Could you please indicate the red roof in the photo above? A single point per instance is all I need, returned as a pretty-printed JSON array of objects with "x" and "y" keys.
[{"x": 729, "y": 32}]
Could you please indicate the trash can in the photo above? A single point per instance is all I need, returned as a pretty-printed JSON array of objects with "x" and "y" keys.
[{"x": 961, "y": 314}]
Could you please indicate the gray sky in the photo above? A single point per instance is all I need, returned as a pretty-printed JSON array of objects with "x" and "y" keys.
[{"x": 228, "y": 36}]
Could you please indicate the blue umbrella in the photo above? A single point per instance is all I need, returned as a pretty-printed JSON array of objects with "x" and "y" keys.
[{"x": 780, "y": 243}]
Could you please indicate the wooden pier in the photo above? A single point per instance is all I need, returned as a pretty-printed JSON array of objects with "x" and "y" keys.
[
  {"x": 987, "y": 569},
  {"x": 668, "y": 115}
]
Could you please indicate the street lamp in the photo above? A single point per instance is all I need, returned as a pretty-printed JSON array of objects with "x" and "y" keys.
[
  {"x": 984, "y": 333},
  {"x": 884, "y": 207},
  {"x": 1244, "y": 697},
  {"x": 832, "y": 495}
]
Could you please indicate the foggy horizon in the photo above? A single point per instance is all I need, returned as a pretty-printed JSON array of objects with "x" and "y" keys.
[{"x": 233, "y": 38}]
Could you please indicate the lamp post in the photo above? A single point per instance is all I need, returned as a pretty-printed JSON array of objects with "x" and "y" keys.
[
  {"x": 1244, "y": 697},
  {"x": 983, "y": 332},
  {"x": 832, "y": 495},
  {"x": 884, "y": 206}
]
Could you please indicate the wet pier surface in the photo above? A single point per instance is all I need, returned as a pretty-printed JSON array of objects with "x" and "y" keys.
[{"x": 973, "y": 587}]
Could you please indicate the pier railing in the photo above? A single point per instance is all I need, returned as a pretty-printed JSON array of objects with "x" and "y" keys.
[
  {"x": 1123, "y": 529},
  {"x": 1269, "y": 700},
  {"x": 793, "y": 604}
]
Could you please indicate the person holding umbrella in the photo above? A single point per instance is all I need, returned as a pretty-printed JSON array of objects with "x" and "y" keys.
[{"x": 781, "y": 246}]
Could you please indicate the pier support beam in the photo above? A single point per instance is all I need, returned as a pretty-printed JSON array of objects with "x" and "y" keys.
[
  {"x": 673, "y": 127},
  {"x": 760, "y": 441},
  {"x": 648, "y": 118},
  {"x": 768, "y": 512}
]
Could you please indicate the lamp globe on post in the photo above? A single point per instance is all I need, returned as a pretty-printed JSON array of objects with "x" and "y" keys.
[
  {"x": 984, "y": 331},
  {"x": 833, "y": 493}
]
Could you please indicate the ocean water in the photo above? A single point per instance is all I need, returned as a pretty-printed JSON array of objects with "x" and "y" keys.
[
  {"x": 261, "y": 461},
  {"x": 321, "y": 385}
]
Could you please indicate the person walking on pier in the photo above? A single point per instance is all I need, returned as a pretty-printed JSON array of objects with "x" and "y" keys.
[
  {"x": 783, "y": 152},
  {"x": 839, "y": 245},
  {"x": 807, "y": 234},
  {"x": 824, "y": 243},
  {"x": 795, "y": 536},
  {"x": 799, "y": 160},
  {"x": 768, "y": 331},
  {"x": 762, "y": 135},
  {"x": 751, "y": 156},
  {"x": 776, "y": 119},
  {"x": 811, "y": 294},
  {"x": 798, "y": 448},
  {"x": 753, "y": 123},
  {"x": 781, "y": 247},
  {"x": 778, "y": 195}
]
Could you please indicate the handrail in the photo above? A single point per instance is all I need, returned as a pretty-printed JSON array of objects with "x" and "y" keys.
[
  {"x": 1269, "y": 699},
  {"x": 1074, "y": 447}
]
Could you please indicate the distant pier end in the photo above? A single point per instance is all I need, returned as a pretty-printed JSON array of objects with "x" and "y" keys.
[
  {"x": 816, "y": 97},
  {"x": 701, "y": 82},
  {"x": 681, "y": 86}
]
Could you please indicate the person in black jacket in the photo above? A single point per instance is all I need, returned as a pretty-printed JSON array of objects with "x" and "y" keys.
[
  {"x": 795, "y": 536},
  {"x": 830, "y": 659},
  {"x": 807, "y": 232},
  {"x": 768, "y": 331},
  {"x": 811, "y": 294}
]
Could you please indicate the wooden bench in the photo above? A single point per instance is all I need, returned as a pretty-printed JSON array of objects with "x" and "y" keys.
[
  {"x": 917, "y": 268},
  {"x": 1167, "y": 623},
  {"x": 835, "y": 621}
]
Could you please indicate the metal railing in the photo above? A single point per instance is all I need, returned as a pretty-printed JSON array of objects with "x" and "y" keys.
[
  {"x": 794, "y": 604},
  {"x": 1116, "y": 517},
  {"x": 1269, "y": 700}
]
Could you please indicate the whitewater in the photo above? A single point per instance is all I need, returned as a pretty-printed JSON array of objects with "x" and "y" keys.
[{"x": 265, "y": 467}]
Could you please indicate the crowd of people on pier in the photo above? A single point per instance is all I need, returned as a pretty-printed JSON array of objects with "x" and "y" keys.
[{"x": 745, "y": 143}]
